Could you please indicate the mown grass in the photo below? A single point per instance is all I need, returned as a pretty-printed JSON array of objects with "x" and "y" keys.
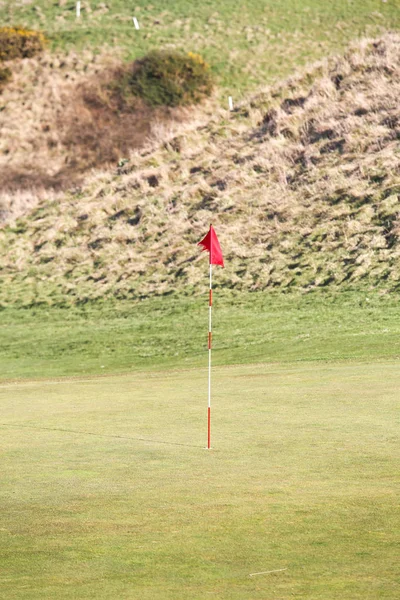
[
  {"x": 107, "y": 491},
  {"x": 248, "y": 44},
  {"x": 171, "y": 332}
]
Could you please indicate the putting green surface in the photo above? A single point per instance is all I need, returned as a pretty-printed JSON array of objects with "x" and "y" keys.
[{"x": 108, "y": 492}]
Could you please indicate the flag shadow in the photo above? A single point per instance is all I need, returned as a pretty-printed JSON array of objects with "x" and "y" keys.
[{"x": 103, "y": 435}]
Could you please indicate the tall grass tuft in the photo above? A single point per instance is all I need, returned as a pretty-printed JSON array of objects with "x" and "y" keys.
[{"x": 5, "y": 77}]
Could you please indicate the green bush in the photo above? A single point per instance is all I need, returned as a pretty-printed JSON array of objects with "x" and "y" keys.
[
  {"x": 16, "y": 42},
  {"x": 164, "y": 78},
  {"x": 5, "y": 76}
]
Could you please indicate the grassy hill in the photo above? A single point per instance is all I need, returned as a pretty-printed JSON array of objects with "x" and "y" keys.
[
  {"x": 301, "y": 182},
  {"x": 249, "y": 44},
  {"x": 59, "y": 120},
  {"x": 56, "y": 123}
]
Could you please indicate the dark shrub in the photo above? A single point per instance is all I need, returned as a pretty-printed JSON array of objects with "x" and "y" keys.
[{"x": 164, "y": 78}]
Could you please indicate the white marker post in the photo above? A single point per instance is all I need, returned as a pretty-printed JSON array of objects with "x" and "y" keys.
[
  {"x": 78, "y": 10},
  {"x": 136, "y": 23},
  {"x": 230, "y": 103}
]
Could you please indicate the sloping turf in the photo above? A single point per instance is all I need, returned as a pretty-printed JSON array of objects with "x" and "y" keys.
[
  {"x": 247, "y": 44},
  {"x": 107, "y": 491}
]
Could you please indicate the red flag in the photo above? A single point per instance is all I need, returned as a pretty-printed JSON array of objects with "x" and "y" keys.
[{"x": 210, "y": 242}]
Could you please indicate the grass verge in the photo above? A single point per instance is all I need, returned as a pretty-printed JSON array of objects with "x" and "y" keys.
[{"x": 171, "y": 332}]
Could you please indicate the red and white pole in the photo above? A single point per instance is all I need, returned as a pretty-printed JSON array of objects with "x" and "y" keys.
[{"x": 209, "y": 358}]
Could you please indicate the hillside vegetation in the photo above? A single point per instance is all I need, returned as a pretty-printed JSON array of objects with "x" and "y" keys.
[
  {"x": 63, "y": 115},
  {"x": 301, "y": 182},
  {"x": 248, "y": 43},
  {"x": 56, "y": 120}
]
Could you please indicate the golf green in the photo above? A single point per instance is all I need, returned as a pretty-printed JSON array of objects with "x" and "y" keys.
[{"x": 108, "y": 490}]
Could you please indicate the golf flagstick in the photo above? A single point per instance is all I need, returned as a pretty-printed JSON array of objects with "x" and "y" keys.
[
  {"x": 210, "y": 242},
  {"x": 209, "y": 358}
]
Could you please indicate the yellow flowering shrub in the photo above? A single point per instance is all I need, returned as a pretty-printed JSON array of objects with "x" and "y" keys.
[{"x": 17, "y": 42}]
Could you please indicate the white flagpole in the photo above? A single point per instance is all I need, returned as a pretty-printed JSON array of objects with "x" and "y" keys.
[{"x": 209, "y": 358}]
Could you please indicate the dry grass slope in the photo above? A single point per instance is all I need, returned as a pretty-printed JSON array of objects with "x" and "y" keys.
[
  {"x": 59, "y": 120},
  {"x": 36, "y": 109},
  {"x": 302, "y": 183}
]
